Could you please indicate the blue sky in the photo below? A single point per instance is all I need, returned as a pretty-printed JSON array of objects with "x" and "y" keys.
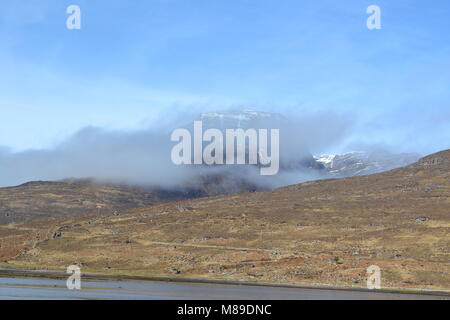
[{"x": 134, "y": 62}]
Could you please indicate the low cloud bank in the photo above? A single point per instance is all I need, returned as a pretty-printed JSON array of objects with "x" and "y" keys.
[{"x": 143, "y": 157}]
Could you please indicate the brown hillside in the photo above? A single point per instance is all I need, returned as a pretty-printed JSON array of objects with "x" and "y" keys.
[
  {"x": 74, "y": 197},
  {"x": 326, "y": 231}
]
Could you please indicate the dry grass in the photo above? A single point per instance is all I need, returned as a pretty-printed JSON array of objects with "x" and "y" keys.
[{"x": 323, "y": 231}]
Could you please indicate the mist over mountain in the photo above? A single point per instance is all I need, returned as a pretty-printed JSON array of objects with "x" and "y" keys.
[
  {"x": 142, "y": 157},
  {"x": 295, "y": 151}
]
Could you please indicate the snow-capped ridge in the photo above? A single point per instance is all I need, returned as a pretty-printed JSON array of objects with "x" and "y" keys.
[{"x": 358, "y": 163}]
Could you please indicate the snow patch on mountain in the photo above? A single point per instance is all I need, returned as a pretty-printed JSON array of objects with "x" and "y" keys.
[{"x": 362, "y": 163}]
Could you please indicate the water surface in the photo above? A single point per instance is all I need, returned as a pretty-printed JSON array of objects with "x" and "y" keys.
[{"x": 32, "y": 288}]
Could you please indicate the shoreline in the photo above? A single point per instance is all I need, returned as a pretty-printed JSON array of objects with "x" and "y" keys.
[{"x": 6, "y": 272}]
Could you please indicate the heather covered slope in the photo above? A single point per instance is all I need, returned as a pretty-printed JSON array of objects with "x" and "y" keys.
[
  {"x": 74, "y": 197},
  {"x": 325, "y": 231}
]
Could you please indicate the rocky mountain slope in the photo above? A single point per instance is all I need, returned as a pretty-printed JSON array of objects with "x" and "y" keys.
[
  {"x": 326, "y": 231},
  {"x": 364, "y": 163},
  {"x": 74, "y": 197}
]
